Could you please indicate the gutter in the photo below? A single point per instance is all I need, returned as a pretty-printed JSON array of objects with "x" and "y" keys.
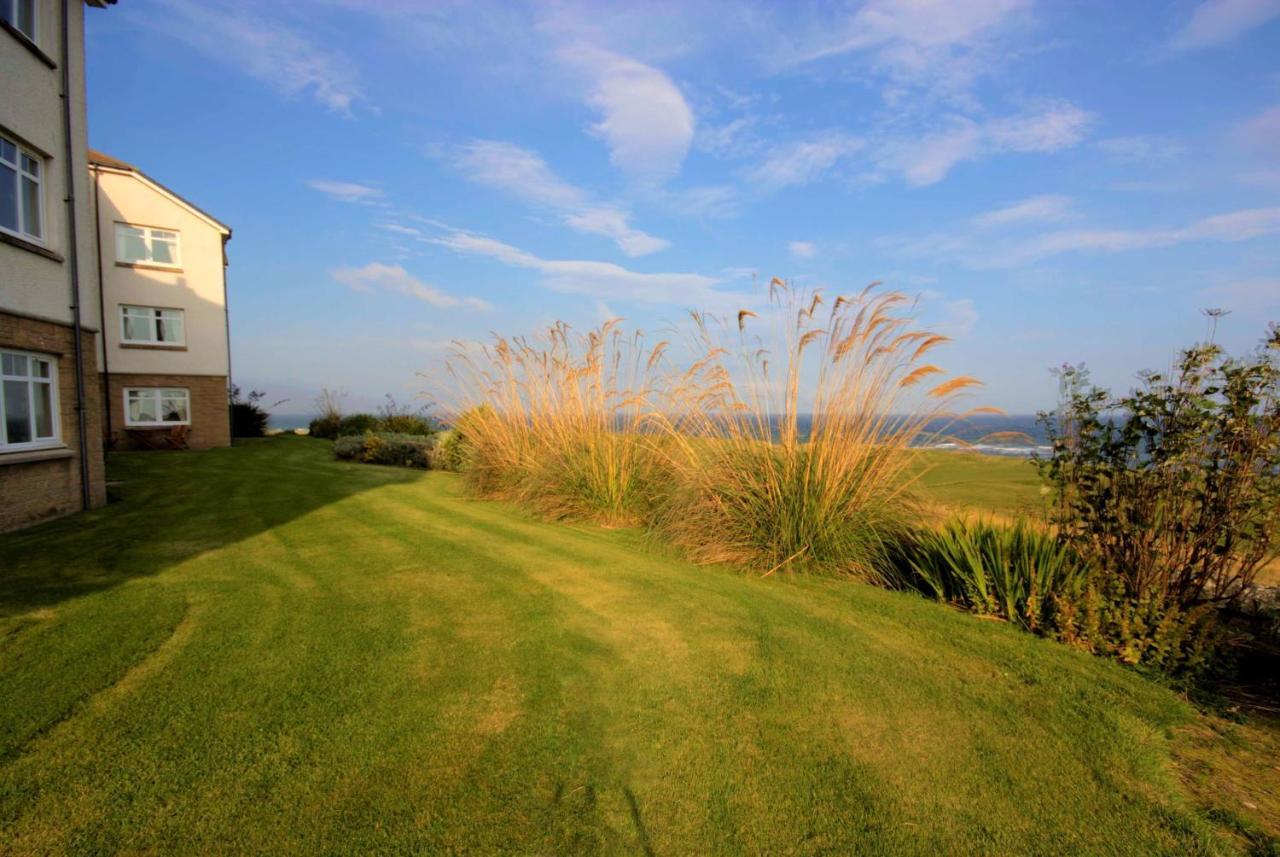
[{"x": 73, "y": 267}]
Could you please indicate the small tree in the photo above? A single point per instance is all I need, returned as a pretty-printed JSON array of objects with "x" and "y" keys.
[
  {"x": 1173, "y": 490},
  {"x": 248, "y": 417}
]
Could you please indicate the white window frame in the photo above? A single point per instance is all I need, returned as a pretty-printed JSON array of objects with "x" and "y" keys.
[
  {"x": 12, "y": 6},
  {"x": 149, "y": 237},
  {"x": 157, "y": 314},
  {"x": 21, "y": 173},
  {"x": 159, "y": 393},
  {"x": 55, "y": 440}
]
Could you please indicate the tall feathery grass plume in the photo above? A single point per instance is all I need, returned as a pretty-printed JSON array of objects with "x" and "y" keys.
[
  {"x": 558, "y": 421},
  {"x": 791, "y": 447}
]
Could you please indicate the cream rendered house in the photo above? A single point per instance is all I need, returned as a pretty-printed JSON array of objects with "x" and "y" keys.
[
  {"x": 164, "y": 354},
  {"x": 51, "y": 460}
]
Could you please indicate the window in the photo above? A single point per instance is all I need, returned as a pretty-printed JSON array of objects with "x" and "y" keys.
[
  {"x": 28, "y": 401},
  {"x": 143, "y": 245},
  {"x": 21, "y": 15},
  {"x": 21, "y": 194},
  {"x": 144, "y": 325},
  {"x": 157, "y": 406}
]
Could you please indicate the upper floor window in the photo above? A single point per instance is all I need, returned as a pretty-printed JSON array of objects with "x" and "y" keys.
[
  {"x": 28, "y": 400},
  {"x": 144, "y": 325},
  {"x": 21, "y": 15},
  {"x": 145, "y": 245},
  {"x": 21, "y": 192}
]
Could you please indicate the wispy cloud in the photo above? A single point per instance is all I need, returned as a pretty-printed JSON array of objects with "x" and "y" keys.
[
  {"x": 393, "y": 278},
  {"x": 802, "y": 249},
  {"x": 644, "y": 117},
  {"x": 268, "y": 50},
  {"x": 600, "y": 280},
  {"x": 936, "y": 44},
  {"x": 1257, "y": 293},
  {"x": 799, "y": 162},
  {"x": 1214, "y": 23},
  {"x": 1260, "y": 135},
  {"x": 975, "y": 247},
  {"x": 930, "y": 158},
  {"x": 347, "y": 191},
  {"x": 1030, "y": 210},
  {"x": 1140, "y": 149},
  {"x": 526, "y": 175}
]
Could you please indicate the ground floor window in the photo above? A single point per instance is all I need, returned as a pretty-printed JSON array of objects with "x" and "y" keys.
[
  {"x": 28, "y": 400},
  {"x": 157, "y": 406}
]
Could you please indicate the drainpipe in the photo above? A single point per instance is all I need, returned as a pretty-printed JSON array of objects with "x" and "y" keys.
[
  {"x": 226, "y": 311},
  {"x": 73, "y": 266},
  {"x": 102, "y": 297}
]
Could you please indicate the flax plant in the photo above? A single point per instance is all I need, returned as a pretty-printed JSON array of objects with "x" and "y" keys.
[
  {"x": 751, "y": 485},
  {"x": 558, "y": 422}
]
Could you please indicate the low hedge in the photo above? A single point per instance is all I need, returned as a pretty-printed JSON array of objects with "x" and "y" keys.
[{"x": 402, "y": 450}]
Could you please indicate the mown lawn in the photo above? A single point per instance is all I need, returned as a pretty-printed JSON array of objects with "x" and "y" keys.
[
  {"x": 991, "y": 485},
  {"x": 261, "y": 650}
]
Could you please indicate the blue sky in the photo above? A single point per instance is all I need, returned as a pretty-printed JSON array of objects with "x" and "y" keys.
[{"x": 1057, "y": 181}]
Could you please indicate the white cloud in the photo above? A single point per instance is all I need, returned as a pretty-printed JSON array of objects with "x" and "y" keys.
[
  {"x": 1259, "y": 294},
  {"x": 1141, "y": 148},
  {"x": 960, "y": 317},
  {"x": 800, "y": 162},
  {"x": 645, "y": 120},
  {"x": 941, "y": 44},
  {"x": 1260, "y": 135},
  {"x": 1029, "y": 210},
  {"x": 802, "y": 249},
  {"x": 268, "y": 51},
  {"x": 1217, "y": 22},
  {"x": 928, "y": 159},
  {"x": 976, "y": 248},
  {"x": 1231, "y": 227},
  {"x": 1056, "y": 126},
  {"x": 346, "y": 191},
  {"x": 525, "y": 174},
  {"x": 393, "y": 278},
  {"x": 601, "y": 280}
]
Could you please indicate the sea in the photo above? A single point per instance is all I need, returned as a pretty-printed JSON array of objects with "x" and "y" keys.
[{"x": 1016, "y": 435}]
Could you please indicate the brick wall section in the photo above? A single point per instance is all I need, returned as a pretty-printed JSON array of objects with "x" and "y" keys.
[
  {"x": 209, "y": 421},
  {"x": 39, "y": 490}
]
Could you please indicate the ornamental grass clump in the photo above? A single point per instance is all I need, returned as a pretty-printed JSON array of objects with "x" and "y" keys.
[
  {"x": 559, "y": 422},
  {"x": 802, "y": 460}
]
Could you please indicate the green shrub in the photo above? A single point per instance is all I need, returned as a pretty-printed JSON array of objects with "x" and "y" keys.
[
  {"x": 329, "y": 407},
  {"x": 1173, "y": 489},
  {"x": 394, "y": 418},
  {"x": 451, "y": 451},
  {"x": 325, "y": 427},
  {"x": 357, "y": 424},
  {"x": 402, "y": 450}
]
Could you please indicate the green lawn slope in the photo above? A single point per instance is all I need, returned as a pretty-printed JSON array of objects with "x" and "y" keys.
[{"x": 262, "y": 650}]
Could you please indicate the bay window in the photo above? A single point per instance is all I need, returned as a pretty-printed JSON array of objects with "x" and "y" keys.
[
  {"x": 28, "y": 401},
  {"x": 157, "y": 407},
  {"x": 142, "y": 325}
]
